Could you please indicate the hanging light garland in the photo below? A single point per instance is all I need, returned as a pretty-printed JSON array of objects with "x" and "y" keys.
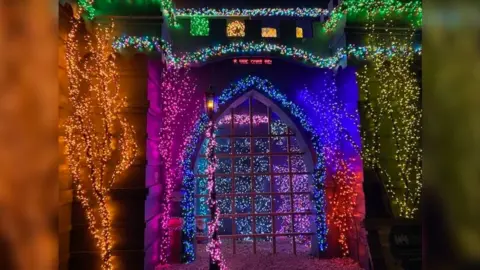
[
  {"x": 145, "y": 44},
  {"x": 168, "y": 9},
  {"x": 411, "y": 10},
  {"x": 150, "y": 44},
  {"x": 206, "y": 54},
  {"x": 375, "y": 8},
  {"x": 257, "y": 12},
  {"x": 97, "y": 135},
  {"x": 87, "y": 6}
]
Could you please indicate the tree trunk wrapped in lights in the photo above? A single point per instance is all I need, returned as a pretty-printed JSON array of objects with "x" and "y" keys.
[
  {"x": 100, "y": 143},
  {"x": 178, "y": 113},
  {"x": 213, "y": 246}
]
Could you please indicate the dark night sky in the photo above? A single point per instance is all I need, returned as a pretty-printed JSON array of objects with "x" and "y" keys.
[{"x": 251, "y": 3}]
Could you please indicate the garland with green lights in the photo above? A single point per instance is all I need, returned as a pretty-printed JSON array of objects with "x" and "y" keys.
[
  {"x": 145, "y": 44},
  {"x": 87, "y": 5},
  {"x": 251, "y": 48},
  {"x": 351, "y": 8},
  {"x": 375, "y": 8},
  {"x": 155, "y": 44},
  {"x": 257, "y": 12},
  {"x": 169, "y": 11}
]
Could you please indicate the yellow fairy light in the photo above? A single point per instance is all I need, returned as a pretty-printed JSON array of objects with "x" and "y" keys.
[
  {"x": 269, "y": 32},
  {"x": 393, "y": 108},
  {"x": 236, "y": 29},
  {"x": 96, "y": 135},
  {"x": 299, "y": 32}
]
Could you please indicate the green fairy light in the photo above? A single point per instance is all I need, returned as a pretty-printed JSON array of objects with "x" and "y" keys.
[
  {"x": 169, "y": 11},
  {"x": 87, "y": 6},
  {"x": 410, "y": 10},
  {"x": 374, "y": 8},
  {"x": 257, "y": 12}
]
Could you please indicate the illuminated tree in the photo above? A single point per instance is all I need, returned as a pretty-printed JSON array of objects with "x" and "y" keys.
[
  {"x": 178, "y": 113},
  {"x": 331, "y": 114},
  {"x": 100, "y": 143},
  {"x": 391, "y": 93}
]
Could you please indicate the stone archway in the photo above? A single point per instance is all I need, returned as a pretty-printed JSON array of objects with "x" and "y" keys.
[{"x": 229, "y": 94}]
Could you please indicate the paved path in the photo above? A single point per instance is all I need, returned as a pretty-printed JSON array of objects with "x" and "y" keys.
[{"x": 264, "y": 259}]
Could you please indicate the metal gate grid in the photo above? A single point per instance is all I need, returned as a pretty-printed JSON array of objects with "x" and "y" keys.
[{"x": 289, "y": 201}]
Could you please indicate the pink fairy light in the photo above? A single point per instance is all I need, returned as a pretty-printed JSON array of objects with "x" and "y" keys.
[
  {"x": 177, "y": 89},
  {"x": 213, "y": 246}
]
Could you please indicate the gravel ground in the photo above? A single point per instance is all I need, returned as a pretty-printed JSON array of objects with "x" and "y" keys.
[{"x": 264, "y": 259}]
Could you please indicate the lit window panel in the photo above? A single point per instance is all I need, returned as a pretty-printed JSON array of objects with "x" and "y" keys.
[
  {"x": 299, "y": 32},
  {"x": 236, "y": 29},
  {"x": 268, "y": 32}
]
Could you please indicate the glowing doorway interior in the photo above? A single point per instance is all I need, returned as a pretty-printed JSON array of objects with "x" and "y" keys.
[{"x": 263, "y": 178}]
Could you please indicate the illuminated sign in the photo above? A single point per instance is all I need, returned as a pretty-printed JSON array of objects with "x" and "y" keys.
[{"x": 252, "y": 61}]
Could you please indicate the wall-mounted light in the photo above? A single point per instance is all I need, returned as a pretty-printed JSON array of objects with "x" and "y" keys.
[{"x": 210, "y": 102}]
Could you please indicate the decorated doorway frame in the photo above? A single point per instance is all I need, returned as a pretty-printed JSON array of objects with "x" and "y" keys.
[{"x": 228, "y": 95}]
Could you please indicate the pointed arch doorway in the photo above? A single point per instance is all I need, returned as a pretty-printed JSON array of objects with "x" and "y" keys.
[{"x": 263, "y": 180}]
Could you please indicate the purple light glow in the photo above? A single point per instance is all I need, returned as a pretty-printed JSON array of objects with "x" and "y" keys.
[{"x": 332, "y": 105}]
